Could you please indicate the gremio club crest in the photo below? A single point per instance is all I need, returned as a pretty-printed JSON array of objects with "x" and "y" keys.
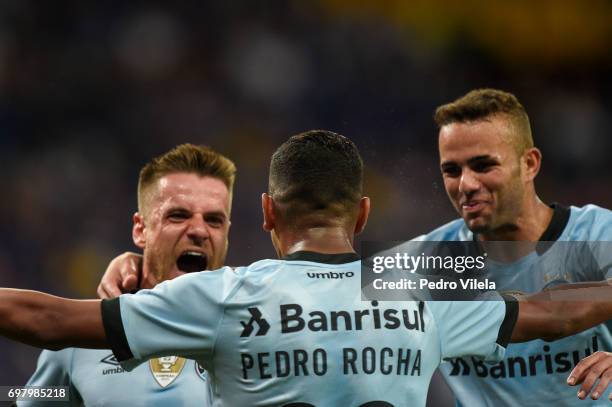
[{"x": 166, "y": 369}]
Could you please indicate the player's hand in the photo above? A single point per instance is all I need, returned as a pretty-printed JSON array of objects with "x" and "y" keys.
[
  {"x": 121, "y": 275},
  {"x": 588, "y": 371}
]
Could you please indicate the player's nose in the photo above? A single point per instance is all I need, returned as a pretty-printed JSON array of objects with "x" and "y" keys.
[
  {"x": 197, "y": 229},
  {"x": 469, "y": 182}
]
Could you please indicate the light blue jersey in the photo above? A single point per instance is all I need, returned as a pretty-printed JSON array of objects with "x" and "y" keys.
[
  {"x": 534, "y": 373},
  {"x": 95, "y": 378},
  {"x": 289, "y": 331}
]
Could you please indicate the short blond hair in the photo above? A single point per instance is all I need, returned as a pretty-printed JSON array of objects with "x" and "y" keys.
[
  {"x": 187, "y": 158},
  {"x": 480, "y": 104}
]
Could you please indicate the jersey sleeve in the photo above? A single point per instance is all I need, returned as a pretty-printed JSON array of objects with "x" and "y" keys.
[
  {"x": 53, "y": 369},
  {"x": 593, "y": 261},
  {"x": 178, "y": 317},
  {"x": 599, "y": 231},
  {"x": 602, "y": 252},
  {"x": 475, "y": 328}
]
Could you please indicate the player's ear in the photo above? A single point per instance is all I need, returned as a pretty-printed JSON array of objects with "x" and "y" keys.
[
  {"x": 138, "y": 230},
  {"x": 267, "y": 207},
  {"x": 532, "y": 159},
  {"x": 362, "y": 217}
]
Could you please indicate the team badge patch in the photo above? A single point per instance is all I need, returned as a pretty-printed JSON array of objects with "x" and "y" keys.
[
  {"x": 202, "y": 373},
  {"x": 165, "y": 370}
]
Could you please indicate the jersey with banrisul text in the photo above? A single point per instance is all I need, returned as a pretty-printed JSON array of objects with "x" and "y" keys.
[
  {"x": 534, "y": 373},
  {"x": 280, "y": 332}
]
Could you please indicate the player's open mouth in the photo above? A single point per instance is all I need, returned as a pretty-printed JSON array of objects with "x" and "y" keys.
[{"x": 190, "y": 262}]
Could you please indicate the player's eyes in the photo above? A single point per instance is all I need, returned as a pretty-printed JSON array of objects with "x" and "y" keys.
[
  {"x": 451, "y": 171},
  {"x": 215, "y": 221},
  {"x": 177, "y": 216},
  {"x": 482, "y": 166}
]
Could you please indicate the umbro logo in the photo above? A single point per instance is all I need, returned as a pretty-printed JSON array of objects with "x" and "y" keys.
[
  {"x": 256, "y": 318},
  {"x": 331, "y": 275},
  {"x": 110, "y": 360}
]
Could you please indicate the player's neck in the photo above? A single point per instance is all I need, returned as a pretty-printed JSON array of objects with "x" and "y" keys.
[
  {"x": 148, "y": 278},
  {"x": 328, "y": 240},
  {"x": 529, "y": 225}
]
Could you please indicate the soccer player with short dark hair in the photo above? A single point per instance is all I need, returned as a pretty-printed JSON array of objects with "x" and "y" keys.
[
  {"x": 489, "y": 162},
  {"x": 283, "y": 332}
]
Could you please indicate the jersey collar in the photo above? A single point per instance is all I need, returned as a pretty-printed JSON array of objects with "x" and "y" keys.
[
  {"x": 558, "y": 222},
  {"x": 336, "y": 258},
  {"x": 553, "y": 232}
]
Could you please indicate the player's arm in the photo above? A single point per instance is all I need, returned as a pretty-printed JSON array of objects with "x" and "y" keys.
[
  {"x": 50, "y": 322},
  {"x": 555, "y": 314},
  {"x": 159, "y": 322},
  {"x": 584, "y": 284}
]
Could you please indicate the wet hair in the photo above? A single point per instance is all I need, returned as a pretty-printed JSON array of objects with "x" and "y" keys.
[{"x": 318, "y": 170}]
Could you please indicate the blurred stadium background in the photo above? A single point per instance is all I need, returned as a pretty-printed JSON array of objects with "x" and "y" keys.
[{"x": 89, "y": 91}]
